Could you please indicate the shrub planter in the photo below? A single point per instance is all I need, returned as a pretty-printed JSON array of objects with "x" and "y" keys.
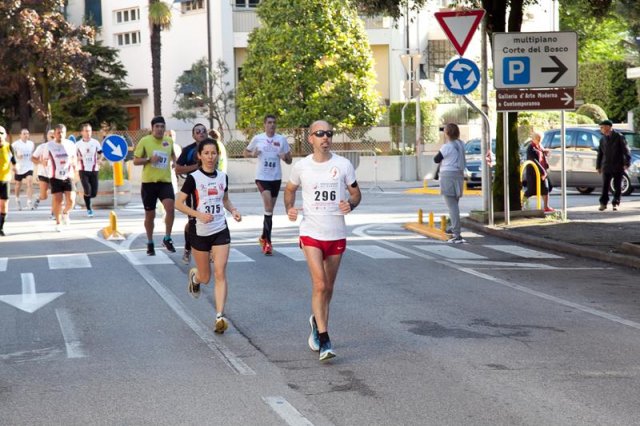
[{"x": 104, "y": 199}]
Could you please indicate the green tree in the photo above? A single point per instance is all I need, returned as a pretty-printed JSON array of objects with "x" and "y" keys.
[
  {"x": 106, "y": 93},
  {"x": 192, "y": 96},
  {"x": 309, "y": 60},
  {"x": 159, "y": 20},
  {"x": 41, "y": 53}
]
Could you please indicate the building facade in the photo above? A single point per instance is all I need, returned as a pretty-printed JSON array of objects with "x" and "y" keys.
[{"x": 124, "y": 25}]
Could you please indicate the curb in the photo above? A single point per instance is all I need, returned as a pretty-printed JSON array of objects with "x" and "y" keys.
[{"x": 560, "y": 246}]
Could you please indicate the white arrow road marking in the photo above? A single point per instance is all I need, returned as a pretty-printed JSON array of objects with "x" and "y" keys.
[
  {"x": 71, "y": 340},
  {"x": 29, "y": 301},
  {"x": 286, "y": 411},
  {"x": 3, "y": 263},
  {"x": 115, "y": 149}
]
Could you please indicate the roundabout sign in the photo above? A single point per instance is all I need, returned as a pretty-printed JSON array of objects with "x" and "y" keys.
[{"x": 461, "y": 76}]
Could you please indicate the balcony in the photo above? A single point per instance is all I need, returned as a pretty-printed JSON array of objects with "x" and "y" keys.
[{"x": 245, "y": 20}]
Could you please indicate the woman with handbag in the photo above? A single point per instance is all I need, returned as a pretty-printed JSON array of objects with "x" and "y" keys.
[
  {"x": 537, "y": 154},
  {"x": 452, "y": 165}
]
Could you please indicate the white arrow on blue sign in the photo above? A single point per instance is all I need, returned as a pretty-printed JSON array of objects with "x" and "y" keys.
[
  {"x": 461, "y": 76},
  {"x": 114, "y": 148}
]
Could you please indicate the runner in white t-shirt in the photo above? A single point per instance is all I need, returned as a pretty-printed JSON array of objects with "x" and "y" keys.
[
  {"x": 23, "y": 150},
  {"x": 269, "y": 147},
  {"x": 62, "y": 160},
  {"x": 40, "y": 159},
  {"x": 329, "y": 191},
  {"x": 89, "y": 153}
]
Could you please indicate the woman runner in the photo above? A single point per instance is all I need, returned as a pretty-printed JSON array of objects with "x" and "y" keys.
[{"x": 207, "y": 188}]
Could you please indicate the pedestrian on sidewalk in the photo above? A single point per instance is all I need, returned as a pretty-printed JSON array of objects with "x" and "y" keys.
[
  {"x": 155, "y": 153},
  {"x": 612, "y": 160},
  {"x": 7, "y": 164},
  {"x": 23, "y": 149},
  {"x": 452, "y": 166},
  {"x": 89, "y": 162},
  {"x": 538, "y": 155},
  {"x": 329, "y": 192},
  {"x": 269, "y": 147},
  {"x": 208, "y": 190}
]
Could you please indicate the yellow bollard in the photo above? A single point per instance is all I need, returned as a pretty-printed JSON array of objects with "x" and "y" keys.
[
  {"x": 420, "y": 216},
  {"x": 430, "y": 219},
  {"x": 118, "y": 176},
  {"x": 443, "y": 223},
  {"x": 111, "y": 231}
]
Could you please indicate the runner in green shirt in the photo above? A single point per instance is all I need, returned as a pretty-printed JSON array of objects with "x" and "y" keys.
[{"x": 155, "y": 152}]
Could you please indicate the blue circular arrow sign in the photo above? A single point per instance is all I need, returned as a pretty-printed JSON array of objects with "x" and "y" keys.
[
  {"x": 461, "y": 76},
  {"x": 114, "y": 147}
]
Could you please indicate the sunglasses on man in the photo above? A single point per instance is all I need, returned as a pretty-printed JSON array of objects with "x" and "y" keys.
[{"x": 323, "y": 133}]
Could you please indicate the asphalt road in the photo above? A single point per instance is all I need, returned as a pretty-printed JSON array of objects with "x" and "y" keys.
[{"x": 426, "y": 333}]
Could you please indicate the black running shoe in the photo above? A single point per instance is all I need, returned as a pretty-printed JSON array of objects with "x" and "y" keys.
[
  {"x": 168, "y": 244},
  {"x": 151, "y": 251},
  {"x": 1, "y": 233}
]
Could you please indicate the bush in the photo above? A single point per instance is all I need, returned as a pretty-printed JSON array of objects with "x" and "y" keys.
[
  {"x": 607, "y": 85},
  {"x": 427, "y": 116},
  {"x": 636, "y": 118},
  {"x": 106, "y": 171},
  {"x": 593, "y": 111}
]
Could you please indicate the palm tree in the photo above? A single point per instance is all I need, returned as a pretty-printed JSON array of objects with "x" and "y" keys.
[{"x": 159, "y": 19}]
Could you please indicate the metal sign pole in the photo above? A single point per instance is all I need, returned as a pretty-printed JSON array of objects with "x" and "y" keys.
[
  {"x": 115, "y": 192},
  {"x": 505, "y": 157},
  {"x": 563, "y": 144}
]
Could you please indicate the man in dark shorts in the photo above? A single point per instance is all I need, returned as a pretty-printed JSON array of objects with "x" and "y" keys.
[
  {"x": 7, "y": 163},
  {"x": 269, "y": 148},
  {"x": 155, "y": 152}
]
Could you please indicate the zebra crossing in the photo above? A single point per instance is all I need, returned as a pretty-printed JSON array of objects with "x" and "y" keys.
[{"x": 483, "y": 255}]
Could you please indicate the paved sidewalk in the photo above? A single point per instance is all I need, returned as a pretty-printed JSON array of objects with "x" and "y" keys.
[{"x": 607, "y": 236}]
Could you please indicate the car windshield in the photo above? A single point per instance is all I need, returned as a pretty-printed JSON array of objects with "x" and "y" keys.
[{"x": 473, "y": 147}]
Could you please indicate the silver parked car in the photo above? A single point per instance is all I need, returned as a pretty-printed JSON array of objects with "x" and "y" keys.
[
  {"x": 581, "y": 153},
  {"x": 472, "y": 153}
]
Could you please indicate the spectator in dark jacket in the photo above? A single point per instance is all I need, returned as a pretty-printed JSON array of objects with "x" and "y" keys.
[{"x": 613, "y": 159}]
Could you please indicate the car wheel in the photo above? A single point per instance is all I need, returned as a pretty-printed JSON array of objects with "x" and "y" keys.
[
  {"x": 625, "y": 185},
  {"x": 585, "y": 189}
]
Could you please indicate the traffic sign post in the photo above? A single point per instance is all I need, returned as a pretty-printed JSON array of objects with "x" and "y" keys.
[
  {"x": 535, "y": 99},
  {"x": 461, "y": 76},
  {"x": 114, "y": 149},
  {"x": 535, "y": 60},
  {"x": 459, "y": 26}
]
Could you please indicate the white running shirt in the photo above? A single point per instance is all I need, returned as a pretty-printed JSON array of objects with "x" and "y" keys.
[
  {"x": 323, "y": 186},
  {"x": 88, "y": 152},
  {"x": 23, "y": 152},
  {"x": 62, "y": 158},
  {"x": 209, "y": 195},
  {"x": 269, "y": 157},
  {"x": 42, "y": 153}
]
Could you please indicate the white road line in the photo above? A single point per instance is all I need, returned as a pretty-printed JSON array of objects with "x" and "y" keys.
[
  {"x": 236, "y": 255},
  {"x": 361, "y": 231},
  {"x": 68, "y": 261},
  {"x": 140, "y": 257},
  {"x": 225, "y": 354},
  {"x": 3, "y": 263},
  {"x": 376, "y": 252},
  {"x": 74, "y": 346},
  {"x": 449, "y": 252},
  {"x": 293, "y": 253},
  {"x": 522, "y": 252},
  {"x": 491, "y": 263},
  {"x": 286, "y": 411}
]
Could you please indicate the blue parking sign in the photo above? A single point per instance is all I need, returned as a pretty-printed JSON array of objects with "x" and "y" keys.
[{"x": 516, "y": 70}]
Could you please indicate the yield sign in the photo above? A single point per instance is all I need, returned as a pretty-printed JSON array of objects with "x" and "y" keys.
[{"x": 459, "y": 26}]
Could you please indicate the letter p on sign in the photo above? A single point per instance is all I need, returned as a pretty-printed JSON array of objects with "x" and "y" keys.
[{"x": 516, "y": 70}]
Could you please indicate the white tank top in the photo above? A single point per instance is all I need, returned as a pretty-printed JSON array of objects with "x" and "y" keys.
[
  {"x": 23, "y": 152},
  {"x": 209, "y": 196}
]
